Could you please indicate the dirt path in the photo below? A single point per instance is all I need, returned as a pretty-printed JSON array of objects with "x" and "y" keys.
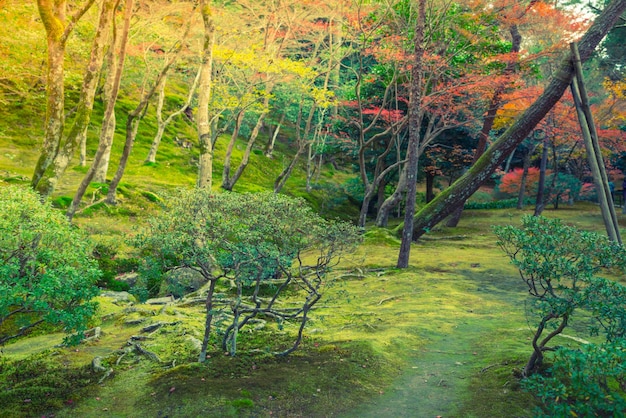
[
  {"x": 461, "y": 342},
  {"x": 435, "y": 381}
]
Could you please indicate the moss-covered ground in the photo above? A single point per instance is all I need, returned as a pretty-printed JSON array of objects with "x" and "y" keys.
[{"x": 442, "y": 338}]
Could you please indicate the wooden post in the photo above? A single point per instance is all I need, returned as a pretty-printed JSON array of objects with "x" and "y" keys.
[{"x": 594, "y": 156}]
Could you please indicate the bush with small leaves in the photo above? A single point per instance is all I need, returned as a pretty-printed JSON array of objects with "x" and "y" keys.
[
  {"x": 585, "y": 382},
  {"x": 47, "y": 272},
  {"x": 558, "y": 263},
  {"x": 256, "y": 243}
]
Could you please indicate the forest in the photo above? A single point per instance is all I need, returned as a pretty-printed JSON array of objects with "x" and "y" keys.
[{"x": 297, "y": 208}]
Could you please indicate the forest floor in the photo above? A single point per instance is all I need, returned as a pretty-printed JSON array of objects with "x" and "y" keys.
[{"x": 442, "y": 338}]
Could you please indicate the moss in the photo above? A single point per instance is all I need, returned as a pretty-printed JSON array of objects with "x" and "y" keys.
[{"x": 41, "y": 384}]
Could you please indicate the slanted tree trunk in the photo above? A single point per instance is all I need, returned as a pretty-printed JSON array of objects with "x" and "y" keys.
[
  {"x": 396, "y": 197},
  {"x": 58, "y": 29},
  {"x": 228, "y": 181},
  {"x": 415, "y": 104},
  {"x": 205, "y": 166},
  {"x": 134, "y": 118},
  {"x": 269, "y": 149},
  {"x": 447, "y": 201},
  {"x": 162, "y": 124},
  {"x": 132, "y": 124},
  {"x": 108, "y": 119},
  {"x": 208, "y": 321}
]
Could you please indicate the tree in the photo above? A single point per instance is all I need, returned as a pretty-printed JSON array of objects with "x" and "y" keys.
[
  {"x": 253, "y": 241},
  {"x": 58, "y": 30},
  {"x": 415, "y": 104},
  {"x": 47, "y": 272},
  {"x": 78, "y": 132},
  {"x": 558, "y": 263},
  {"x": 205, "y": 168},
  {"x": 163, "y": 123},
  {"x": 108, "y": 121},
  {"x": 447, "y": 201}
]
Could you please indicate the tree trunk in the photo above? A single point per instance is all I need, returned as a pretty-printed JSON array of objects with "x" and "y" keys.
[
  {"x": 540, "y": 202},
  {"x": 100, "y": 176},
  {"x": 269, "y": 149},
  {"x": 310, "y": 167},
  {"x": 108, "y": 123},
  {"x": 162, "y": 124},
  {"x": 396, "y": 197},
  {"x": 49, "y": 179},
  {"x": 280, "y": 181},
  {"x": 494, "y": 105},
  {"x": 521, "y": 196},
  {"x": 415, "y": 104},
  {"x": 590, "y": 135},
  {"x": 447, "y": 201},
  {"x": 368, "y": 193},
  {"x": 231, "y": 145},
  {"x": 208, "y": 321},
  {"x": 430, "y": 184},
  {"x": 58, "y": 30},
  {"x": 53, "y": 17},
  {"x": 134, "y": 117},
  {"x": 205, "y": 167},
  {"x": 301, "y": 140},
  {"x": 229, "y": 182}
]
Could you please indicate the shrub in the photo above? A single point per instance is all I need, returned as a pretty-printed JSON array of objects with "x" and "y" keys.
[
  {"x": 47, "y": 272},
  {"x": 248, "y": 240},
  {"x": 559, "y": 264},
  {"x": 566, "y": 187},
  {"x": 585, "y": 382},
  {"x": 111, "y": 266}
]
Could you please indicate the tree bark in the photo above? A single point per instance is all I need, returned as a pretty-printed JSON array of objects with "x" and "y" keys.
[
  {"x": 162, "y": 124},
  {"x": 108, "y": 123},
  {"x": 49, "y": 179},
  {"x": 269, "y": 149},
  {"x": 396, "y": 197},
  {"x": 540, "y": 202},
  {"x": 205, "y": 167},
  {"x": 228, "y": 181},
  {"x": 414, "y": 136},
  {"x": 58, "y": 30},
  {"x": 208, "y": 321},
  {"x": 447, "y": 201}
]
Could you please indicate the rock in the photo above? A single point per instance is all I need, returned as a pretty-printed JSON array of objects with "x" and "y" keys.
[
  {"x": 129, "y": 278},
  {"x": 160, "y": 301},
  {"x": 118, "y": 296},
  {"x": 134, "y": 321},
  {"x": 195, "y": 343}
]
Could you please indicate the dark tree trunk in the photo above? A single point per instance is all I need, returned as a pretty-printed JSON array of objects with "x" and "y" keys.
[
  {"x": 430, "y": 184},
  {"x": 414, "y": 136}
]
